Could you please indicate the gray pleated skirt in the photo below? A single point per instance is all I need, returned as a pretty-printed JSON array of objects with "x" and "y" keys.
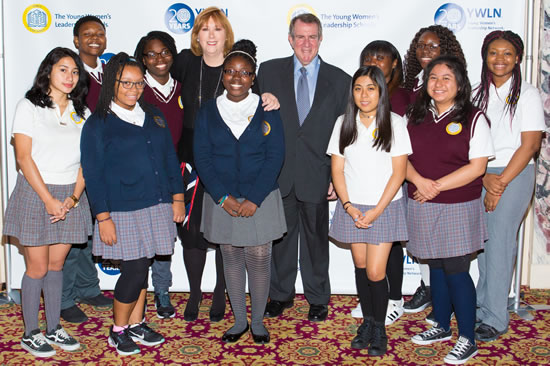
[
  {"x": 267, "y": 224},
  {"x": 141, "y": 233},
  {"x": 27, "y": 219}
]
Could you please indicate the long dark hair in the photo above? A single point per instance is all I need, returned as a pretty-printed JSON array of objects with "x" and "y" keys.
[
  {"x": 385, "y": 48},
  {"x": 348, "y": 133},
  {"x": 481, "y": 98},
  {"x": 448, "y": 45},
  {"x": 111, "y": 73},
  {"x": 166, "y": 39},
  {"x": 462, "y": 104},
  {"x": 38, "y": 94}
]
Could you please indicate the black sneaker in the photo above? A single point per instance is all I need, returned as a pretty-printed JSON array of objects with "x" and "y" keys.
[
  {"x": 432, "y": 335},
  {"x": 165, "y": 309},
  {"x": 61, "y": 338},
  {"x": 143, "y": 334},
  {"x": 379, "y": 343},
  {"x": 461, "y": 352},
  {"x": 36, "y": 344},
  {"x": 420, "y": 300},
  {"x": 73, "y": 315},
  {"x": 487, "y": 333},
  {"x": 364, "y": 335},
  {"x": 123, "y": 343}
]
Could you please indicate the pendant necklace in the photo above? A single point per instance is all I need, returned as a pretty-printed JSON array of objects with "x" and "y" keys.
[{"x": 200, "y": 83}]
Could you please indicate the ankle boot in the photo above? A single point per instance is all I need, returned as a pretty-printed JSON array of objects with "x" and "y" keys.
[
  {"x": 379, "y": 343},
  {"x": 364, "y": 334}
]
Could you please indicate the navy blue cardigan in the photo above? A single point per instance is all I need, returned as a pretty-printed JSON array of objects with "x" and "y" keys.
[
  {"x": 127, "y": 167},
  {"x": 244, "y": 168}
]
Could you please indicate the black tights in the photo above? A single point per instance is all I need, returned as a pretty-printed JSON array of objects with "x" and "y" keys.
[{"x": 133, "y": 278}]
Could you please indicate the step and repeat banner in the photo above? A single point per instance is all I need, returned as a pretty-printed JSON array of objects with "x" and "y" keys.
[{"x": 32, "y": 28}]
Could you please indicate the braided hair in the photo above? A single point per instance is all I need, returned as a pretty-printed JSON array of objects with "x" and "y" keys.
[
  {"x": 385, "y": 48},
  {"x": 481, "y": 98},
  {"x": 245, "y": 49},
  {"x": 112, "y": 72},
  {"x": 448, "y": 45},
  {"x": 166, "y": 39}
]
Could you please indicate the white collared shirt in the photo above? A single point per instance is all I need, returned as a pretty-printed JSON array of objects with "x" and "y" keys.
[
  {"x": 367, "y": 170},
  {"x": 506, "y": 132},
  {"x": 135, "y": 116},
  {"x": 165, "y": 89},
  {"x": 96, "y": 72},
  {"x": 238, "y": 115},
  {"x": 55, "y": 139}
]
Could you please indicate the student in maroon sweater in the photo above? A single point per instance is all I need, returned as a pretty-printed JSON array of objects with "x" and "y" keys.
[
  {"x": 451, "y": 143},
  {"x": 155, "y": 52}
]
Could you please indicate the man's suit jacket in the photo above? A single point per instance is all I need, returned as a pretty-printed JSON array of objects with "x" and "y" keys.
[{"x": 306, "y": 166}]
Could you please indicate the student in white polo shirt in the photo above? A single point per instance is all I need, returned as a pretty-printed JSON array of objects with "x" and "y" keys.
[
  {"x": 515, "y": 111},
  {"x": 48, "y": 210},
  {"x": 369, "y": 148}
]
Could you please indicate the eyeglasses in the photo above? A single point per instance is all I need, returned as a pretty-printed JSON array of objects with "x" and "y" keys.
[
  {"x": 130, "y": 84},
  {"x": 152, "y": 55},
  {"x": 242, "y": 73},
  {"x": 428, "y": 46}
]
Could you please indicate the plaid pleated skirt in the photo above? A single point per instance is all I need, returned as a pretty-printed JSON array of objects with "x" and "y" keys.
[
  {"x": 389, "y": 227},
  {"x": 27, "y": 219},
  {"x": 267, "y": 224},
  {"x": 445, "y": 230},
  {"x": 140, "y": 234}
]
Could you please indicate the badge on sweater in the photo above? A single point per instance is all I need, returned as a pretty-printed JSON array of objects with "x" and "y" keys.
[
  {"x": 510, "y": 97},
  {"x": 159, "y": 121},
  {"x": 180, "y": 102},
  {"x": 375, "y": 133},
  {"x": 76, "y": 118},
  {"x": 266, "y": 128},
  {"x": 454, "y": 128}
]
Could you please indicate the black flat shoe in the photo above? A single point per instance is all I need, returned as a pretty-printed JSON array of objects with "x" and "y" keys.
[
  {"x": 191, "y": 312},
  {"x": 260, "y": 339},
  {"x": 233, "y": 337},
  {"x": 275, "y": 308},
  {"x": 317, "y": 313},
  {"x": 216, "y": 317}
]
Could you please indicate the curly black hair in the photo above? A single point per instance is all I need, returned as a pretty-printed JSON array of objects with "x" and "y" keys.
[
  {"x": 448, "y": 45},
  {"x": 112, "y": 72},
  {"x": 38, "y": 94},
  {"x": 85, "y": 19},
  {"x": 166, "y": 39}
]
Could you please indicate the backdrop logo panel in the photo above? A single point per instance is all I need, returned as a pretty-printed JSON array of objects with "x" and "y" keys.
[
  {"x": 451, "y": 16},
  {"x": 179, "y": 18},
  {"x": 299, "y": 9},
  {"x": 106, "y": 57},
  {"x": 37, "y": 18},
  {"x": 109, "y": 269}
]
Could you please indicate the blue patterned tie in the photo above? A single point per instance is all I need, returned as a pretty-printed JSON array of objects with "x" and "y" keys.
[{"x": 302, "y": 96}]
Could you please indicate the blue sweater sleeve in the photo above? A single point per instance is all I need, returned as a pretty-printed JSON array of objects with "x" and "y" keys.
[
  {"x": 92, "y": 160},
  {"x": 202, "y": 150},
  {"x": 173, "y": 170},
  {"x": 274, "y": 157}
]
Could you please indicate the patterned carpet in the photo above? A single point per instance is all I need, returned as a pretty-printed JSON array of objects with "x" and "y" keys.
[{"x": 295, "y": 341}]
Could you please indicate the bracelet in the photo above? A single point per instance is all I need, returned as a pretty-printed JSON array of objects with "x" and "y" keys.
[
  {"x": 178, "y": 200},
  {"x": 76, "y": 201},
  {"x": 222, "y": 200},
  {"x": 346, "y": 207},
  {"x": 107, "y": 219}
]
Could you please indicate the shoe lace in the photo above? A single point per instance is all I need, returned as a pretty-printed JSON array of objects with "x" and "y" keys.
[
  {"x": 435, "y": 330},
  {"x": 62, "y": 334},
  {"x": 461, "y": 346},
  {"x": 39, "y": 339}
]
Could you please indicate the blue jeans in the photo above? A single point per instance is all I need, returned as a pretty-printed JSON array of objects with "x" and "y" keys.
[
  {"x": 496, "y": 263},
  {"x": 161, "y": 273}
]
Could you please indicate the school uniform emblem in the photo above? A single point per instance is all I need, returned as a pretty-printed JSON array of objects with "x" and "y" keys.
[
  {"x": 180, "y": 103},
  {"x": 508, "y": 100},
  {"x": 375, "y": 133},
  {"x": 159, "y": 121},
  {"x": 454, "y": 128},
  {"x": 76, "y": 118},
  {"x": 266, "y": 128}
]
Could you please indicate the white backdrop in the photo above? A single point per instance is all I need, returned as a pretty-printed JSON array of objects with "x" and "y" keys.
[{"x": 31, "y": 29}]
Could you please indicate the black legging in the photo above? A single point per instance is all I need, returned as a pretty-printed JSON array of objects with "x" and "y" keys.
[{"x": 133, "y": 278}]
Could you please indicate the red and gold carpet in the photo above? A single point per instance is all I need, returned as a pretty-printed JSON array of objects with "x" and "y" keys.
[{"x": 295, "y": 340}]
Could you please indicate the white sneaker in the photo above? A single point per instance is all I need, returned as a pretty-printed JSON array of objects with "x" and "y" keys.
[
  {"x": 394, "y": 311},
  {"x": 462, "y": 352},
  {"x": 357, "y": 312}
]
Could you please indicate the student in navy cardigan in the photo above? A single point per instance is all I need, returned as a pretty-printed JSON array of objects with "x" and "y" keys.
[
  {"x": 136, "y": 193},
  {"x": 239, "y": 151}
]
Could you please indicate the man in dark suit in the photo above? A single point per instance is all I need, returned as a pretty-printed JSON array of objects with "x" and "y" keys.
[{"x": 312, "y": 95}]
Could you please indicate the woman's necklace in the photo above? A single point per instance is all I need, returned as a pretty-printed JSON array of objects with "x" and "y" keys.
[{"x": 200, "y": 83}]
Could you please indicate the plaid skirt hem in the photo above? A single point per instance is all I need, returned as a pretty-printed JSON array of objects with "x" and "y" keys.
[
  {"x": 27, "y": 220},
  {"x": 141, "y": 233},
  {"x": 445, "y": 230},
  {"x": 389, "y": 227}
]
